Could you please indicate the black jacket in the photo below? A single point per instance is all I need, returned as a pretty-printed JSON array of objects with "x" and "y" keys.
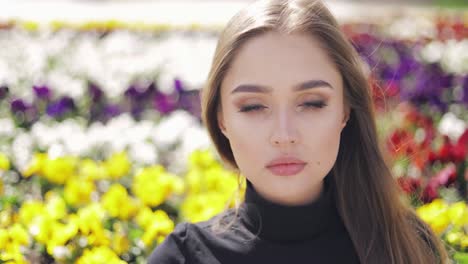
[{"x": 263, "y": 232}]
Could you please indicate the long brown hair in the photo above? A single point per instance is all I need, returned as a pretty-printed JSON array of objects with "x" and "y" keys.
[{"x": 383, "y": 228}]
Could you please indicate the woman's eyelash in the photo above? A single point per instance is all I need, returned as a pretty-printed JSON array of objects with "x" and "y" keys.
[
  {"x": 317, "y": 104},
  {"x": 249, "y": 108},
  {"x": 314, "y": 104}
]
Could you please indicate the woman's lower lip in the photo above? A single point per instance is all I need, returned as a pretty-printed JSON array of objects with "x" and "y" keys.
[{"x": 287, "y": 169}]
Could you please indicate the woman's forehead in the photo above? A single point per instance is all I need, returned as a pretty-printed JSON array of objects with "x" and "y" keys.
[{"x": 275, "y": 59}]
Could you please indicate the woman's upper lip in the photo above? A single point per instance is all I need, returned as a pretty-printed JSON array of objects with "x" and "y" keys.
[{"x": 285, "y": 160}]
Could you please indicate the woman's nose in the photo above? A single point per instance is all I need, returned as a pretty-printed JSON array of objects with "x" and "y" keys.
[{"x": 284, "y": 130}]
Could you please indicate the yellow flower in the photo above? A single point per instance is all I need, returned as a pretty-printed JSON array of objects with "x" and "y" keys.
[
  {"x": 60, "y": 169},
  {"x": 15, "y": 234},
  {"x": 4, "y": 238},
  {"x": 144, "y": 217},
  {"x": 99, "y": 255},
  {"x": 118, "y": 165},
  {"x": 4, "y": 162},
  {"x": 60, "y": 234},
  {"x": 209, "y": 192},
  {"x": 464, "y": 241},
  {"x": 42, "y": 228},
  {"x": 436, "y": 215},
  {"x": 458, "y": 213},
  {"x": 12, "y": 254},
  {"x": 18, "y": 234},
  {"x": 36, "y": 165},
  {"x": 89, "y": 220},
  {"x": 159, "y": 226},
  {"x": 202, "y": 159},
  {"x": 454, "y": 236},
  {"x": 153, "y": 185},
  {"x": 78, "y": 191},
  {"x": 117, "y": 202},
  {"x": 55, "y": 205},
  {"x": 90, "y": 169},
  {"x": 201, "y": 207},
  {"x": 6, "y": 217},
  {"x": 11, "y": 241},
  {"x": 211, "y": 179},
  {"x": 120, "y": 243},
  {"x": 29, "y": 211}
]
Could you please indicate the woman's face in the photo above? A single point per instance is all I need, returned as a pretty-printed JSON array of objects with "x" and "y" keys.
[{"x": 283, "y": 98}]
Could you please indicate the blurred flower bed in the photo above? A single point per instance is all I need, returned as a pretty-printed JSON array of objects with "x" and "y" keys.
[{"x": 102, "y": 151}]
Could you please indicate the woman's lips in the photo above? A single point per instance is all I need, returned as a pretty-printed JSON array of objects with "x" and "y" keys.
[{"x": 287, "y": 169}]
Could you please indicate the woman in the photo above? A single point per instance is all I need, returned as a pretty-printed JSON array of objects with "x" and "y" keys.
[{"x": 288, "y": 106}]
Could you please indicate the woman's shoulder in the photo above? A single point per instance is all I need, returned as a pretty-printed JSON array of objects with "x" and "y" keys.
[
  {"x": 423, "y": 230},
  {"x": 186, "y": 235},
  {"x": 172, "y": 249}
]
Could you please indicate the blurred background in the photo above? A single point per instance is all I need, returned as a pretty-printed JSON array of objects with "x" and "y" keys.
[{"x": 102, "y": 149}]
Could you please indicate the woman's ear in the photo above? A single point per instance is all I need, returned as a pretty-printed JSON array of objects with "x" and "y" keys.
[
  {"x": 221, "y": 125},
  {"x": 346, "y": 115}
]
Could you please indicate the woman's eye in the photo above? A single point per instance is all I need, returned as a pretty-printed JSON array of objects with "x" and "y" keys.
[
  {"x": 315, "y": 104},
  {"x": 249, "y": 108}
]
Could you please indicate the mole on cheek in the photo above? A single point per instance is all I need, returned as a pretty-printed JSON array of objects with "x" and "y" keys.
[{"x": 318, "y": 163}]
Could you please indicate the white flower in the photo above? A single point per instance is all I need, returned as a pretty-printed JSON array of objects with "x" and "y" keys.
[
  {"x": 451, "y": 126},
  {"x": 433, "y": 51},
  {"x": 21, "y": 149},
  {"x": 185, "y": 58},
  {"x": 7, "y": 127},
  {"x": 193, "y": 138},
  {"x": 170, "y": 129},
  {"x": 143, "y": 153},
  {"x": 451, "y": 55},
  {"x": 455, "y": 57},
  {"x": 43, "y": 135},
  {"x": 63, "y": 84},
  {"x": 412, "y": 27},
  {"x": 56, "y": 150},
  {"x": 61, "y": 252}
]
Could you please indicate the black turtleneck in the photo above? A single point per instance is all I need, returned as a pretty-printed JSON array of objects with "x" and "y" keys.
[{"x": 263, "y": 231}]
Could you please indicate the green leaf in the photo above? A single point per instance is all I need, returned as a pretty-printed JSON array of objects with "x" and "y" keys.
[{"x": 461, "y": 257}]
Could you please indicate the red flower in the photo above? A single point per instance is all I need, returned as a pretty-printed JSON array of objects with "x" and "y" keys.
[
  {"x": 445, "y": 177},
  {"x": 429, "y": 193},
  {"x": 459, "y": 153},
  {"x": 452, "y": 153},
  {"x": 445, "y": 152},
  {"x": 409, "y": 185},
  {"x": 432, "y": 157},
  {"x": 400, "y": 141},
  {"x": 463, "y": 139}
]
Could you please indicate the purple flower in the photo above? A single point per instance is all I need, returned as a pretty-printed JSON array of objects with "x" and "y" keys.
[
  {"x": 427, "y": 85},
  {"x": 178, "y": 85},
  {"x": 137, "y": 92},
  {"x": 150, "y": 90},
  {"x": 164, "y": 103},
  {"x": 139, "y": 98},
  {"x": 24, "y": 113},
  {"x": 3, "y": 92},
  {"x": 19, "y": 105},
  {"x": 42, "y": 92},
  {"x": 95, "y": 92},
  {"x": 62, "y": 106},
  {"x": 465, "y": 90},
  {"x": 132, "y": 92},
  {"x": 190, "y": 101},
  {"x": 111, "y": 111}
]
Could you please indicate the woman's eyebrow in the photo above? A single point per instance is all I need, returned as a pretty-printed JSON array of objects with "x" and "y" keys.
[{"x": 253, "y": 88}]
